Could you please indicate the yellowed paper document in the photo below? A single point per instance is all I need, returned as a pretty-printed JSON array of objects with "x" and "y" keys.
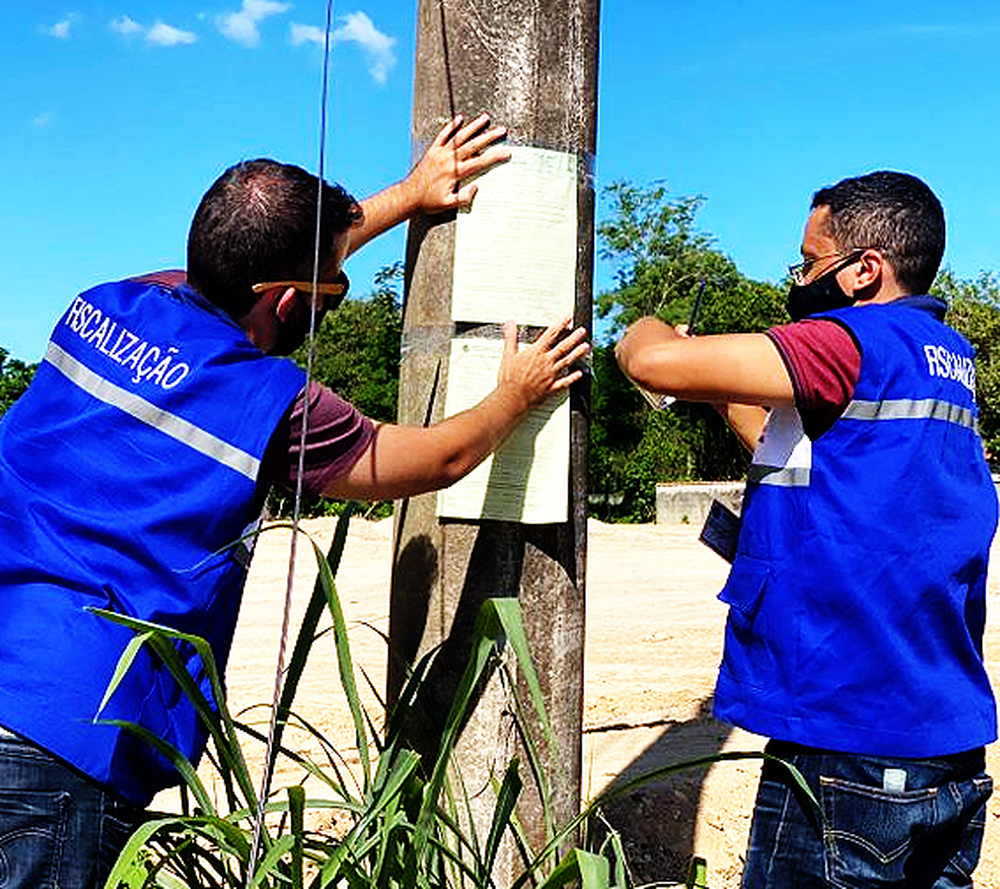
[
  {"x": 527, "y": 479},
  {"x": 515, "y": 249}
]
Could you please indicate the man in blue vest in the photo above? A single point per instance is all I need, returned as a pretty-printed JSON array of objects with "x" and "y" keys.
[
  {"x": 857, "y": 593},
  {"x": 144, "y": 449}
]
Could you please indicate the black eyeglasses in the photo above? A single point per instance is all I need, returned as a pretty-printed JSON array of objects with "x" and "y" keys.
[
  {"x": 800, "y": 271},
  {"x": 333, "y": 292}
]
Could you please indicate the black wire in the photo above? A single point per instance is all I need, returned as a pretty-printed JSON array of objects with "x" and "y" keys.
[{"x": 297, "y": 510}]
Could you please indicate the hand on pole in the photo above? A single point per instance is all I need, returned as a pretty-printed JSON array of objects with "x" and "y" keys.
[
  {"x": 459, "y": 152},
  {"x": 544, "y": 367}
]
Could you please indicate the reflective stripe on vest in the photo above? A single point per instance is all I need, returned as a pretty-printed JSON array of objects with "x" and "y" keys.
[
  {"x": 867, "y": 411},
  {"x": 148, "y": 413},
  {"x": 783, "y": 476},
  {"x": 911, "y": 409}
]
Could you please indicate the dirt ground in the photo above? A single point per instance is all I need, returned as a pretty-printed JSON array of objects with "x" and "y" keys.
[{"x": 653, "y": 642}]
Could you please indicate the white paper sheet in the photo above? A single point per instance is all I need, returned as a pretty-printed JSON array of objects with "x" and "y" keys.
[
  {"x": 527, "y": 479},
  {"x": 515, "y": 249}
]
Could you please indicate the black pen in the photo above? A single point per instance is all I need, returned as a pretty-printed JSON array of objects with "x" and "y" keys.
[{"x": 662, "y": 402}]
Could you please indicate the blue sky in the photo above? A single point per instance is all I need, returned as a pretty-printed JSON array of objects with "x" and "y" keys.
[{"x": 118, "y": 114}]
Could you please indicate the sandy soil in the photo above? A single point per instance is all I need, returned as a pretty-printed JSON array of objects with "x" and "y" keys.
[{"x": 649, "y": 673}]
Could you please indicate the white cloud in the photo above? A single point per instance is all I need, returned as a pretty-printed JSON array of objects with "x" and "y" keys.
[
  {"x": 45, "y": 119},
  {"x": 61, "y": 29},
  {"x": 125, "y": 26},
  {"x": 159, "y": 34},
  {"x": 357, "y": 28},
  {"x": 165, "y": 35},
  {"x": 307, "y": 34},
  {"x": 241, "y": 26}
]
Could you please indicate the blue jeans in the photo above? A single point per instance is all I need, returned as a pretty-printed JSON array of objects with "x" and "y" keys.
[
  {"x": 58, "y": 830},
  {"x": 881, "y": 822}
]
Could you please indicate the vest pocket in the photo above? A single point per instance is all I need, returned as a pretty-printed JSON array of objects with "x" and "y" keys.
[
  {"x": 745, "y": 586},
  {"x": 748, "y": 659}
]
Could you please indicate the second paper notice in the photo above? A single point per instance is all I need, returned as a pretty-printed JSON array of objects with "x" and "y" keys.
[{"x": 526, "y": 480}]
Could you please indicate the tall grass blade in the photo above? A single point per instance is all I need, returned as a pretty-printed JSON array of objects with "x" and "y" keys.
[
  {"x": 617, "y": 857},
  {"x": 177, "y": 759},
  {"x": 296, "y": 808},
  {"x": 590, "y": 871},
  {"x": 125, "y": 661},
  {"x": 508, "y": 613},
  {"x": 697, "y": 875},
  {"x": 216, "y": 719},
  {"x": 486, "y": 635},
  {"x": 310, "y": 621},
  {"x": 404, "y": 766},
  {"x": 268, "y": 866},
  {"x": 507, "y": 795},
  {"x": 130, "y": 870},
  {"x": 345, "y": 662}
]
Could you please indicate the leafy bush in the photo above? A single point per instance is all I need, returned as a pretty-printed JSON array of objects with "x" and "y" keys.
[
  {"x": 15, "y": 376},
  {"x": 974, "y": 311},
  {"x": 665, "y": 266}
]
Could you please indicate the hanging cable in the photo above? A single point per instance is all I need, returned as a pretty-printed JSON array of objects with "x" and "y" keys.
[{"x": 265, "y": 788}]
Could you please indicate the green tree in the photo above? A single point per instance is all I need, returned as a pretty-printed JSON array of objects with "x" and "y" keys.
[
  {"x": 974, "y": 311},
  {"x": 663, "y": 263},
  {"x": 15, "y": 376}
]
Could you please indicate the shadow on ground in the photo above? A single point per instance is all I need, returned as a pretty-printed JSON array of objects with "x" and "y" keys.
[{"x": 656, "y": 822}]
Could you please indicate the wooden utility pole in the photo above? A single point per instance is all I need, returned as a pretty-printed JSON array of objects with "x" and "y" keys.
[{"x": 532, "y": 64}]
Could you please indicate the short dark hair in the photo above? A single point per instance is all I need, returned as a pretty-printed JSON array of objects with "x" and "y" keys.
[
  {"x": 895, "y": 213},
  {"x": 258, "y": 223}
]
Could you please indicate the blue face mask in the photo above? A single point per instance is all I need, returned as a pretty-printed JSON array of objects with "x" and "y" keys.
[{"x": 821, "y": 295}]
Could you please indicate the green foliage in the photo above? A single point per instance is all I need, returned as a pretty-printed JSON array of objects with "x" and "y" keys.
[
  {"x": 974, "y": 311},
  {"x": 661, "y": 257},
  {"x": 664, "y": 262},
  {"x": 15, "y": 376}
]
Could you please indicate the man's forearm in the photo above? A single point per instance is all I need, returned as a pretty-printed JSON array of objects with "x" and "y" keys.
[
  {"x": 407, "y": 460},
  {"x": 403, "y": 461},
  {"x": 382, "y": 211},
  {"x": 746, "y": 420},
  {"x": 744, "y": 368}
]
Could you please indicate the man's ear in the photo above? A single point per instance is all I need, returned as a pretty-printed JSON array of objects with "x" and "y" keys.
[
  {"x": 870, "y": 269},
  {"x": 259, "y": 322}
]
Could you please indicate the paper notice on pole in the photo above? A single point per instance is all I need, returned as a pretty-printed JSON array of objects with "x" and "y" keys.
[
  {"x": 527, "y": 478},
  {"x": 515, "y": 248}
]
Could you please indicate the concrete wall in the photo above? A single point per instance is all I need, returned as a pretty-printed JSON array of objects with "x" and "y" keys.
[{"x": 688, "y": 503}]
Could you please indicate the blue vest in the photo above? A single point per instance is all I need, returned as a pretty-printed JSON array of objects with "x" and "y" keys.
[
  {"x": 127, "y": 472},
  {"x": 857, "y": 596}
]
